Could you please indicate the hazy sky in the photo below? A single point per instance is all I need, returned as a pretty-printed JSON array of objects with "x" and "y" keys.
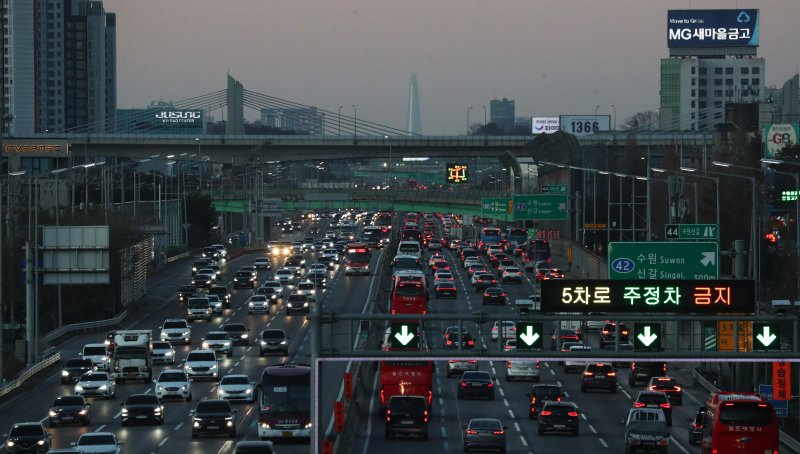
[{"x": 552, "y": 57}]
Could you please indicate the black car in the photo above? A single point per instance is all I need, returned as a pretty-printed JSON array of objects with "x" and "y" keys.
[
  {"x": 253, "y": 447},
  {"x": 608, "y": 333},
  {"x": 74, "y": 368},
  {"x": 273, "y": 341},
  {"x": 328, "y": 261},
  {"x": 211, "y": 253},
  {"x": 644, "y": 371},
  {"x": 222, "y": 292},
  {"x": 445, "y": 289},
  {"x": 494, "y": 295},
  {"x": 655, "y": 399},
  {"x": 542, "y": 393},
  {"x": 297, "y": 302},
  {"x": 319, "y": 278},
  {"x": 244, "y": 279},
  {"x": 696, "y": 426},
  {"x": 485, "y": 281},
  {"x": 213, "y": 416},
  {"x": 203, "y": 263},
  {"x": 142, "y": 408},
  {"x": 559, "y": 417},
  {"x": 202, "y": 280},
  {"x": 69, "y": 410},
  {"x": 566, "y": 335},
  {"x": 476, "y": 384},
  {"x": 270, "y": 292},
  {"x": 451, "y": 339},
  {"x": 238, "y": 332},
  {"x": 27, "y": 437},
  {"x": 185, "y": 291},
  {"x": 599, "y": 375},
  {"x": 407, "y": 415}
]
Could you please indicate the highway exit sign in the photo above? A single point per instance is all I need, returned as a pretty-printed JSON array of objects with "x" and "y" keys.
[
  {"x": 404, "y": 335},
  {"x": 554, "y": 188},
  {"x": 647, "y": 336},
  {"x": 766, "y": 336},
  {"x": 529, "y": 335},
  {"x": 691, "y": 231},
  {"x": 548, "y": 207},
  {"x": 495, "y": 205},
  {"x": 663, "y": 260}
]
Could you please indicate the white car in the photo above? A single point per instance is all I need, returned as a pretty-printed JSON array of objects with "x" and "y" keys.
[
  {"x": 210, "y": 272},
  {"x": 218, "y": 341},
  {"x": 276, "y": 285},
  {"x": 472, "y": 261},
  {"x": 512, "y": 273},
  {"x": 201, "y": 364},
  {"x": 443, "y": 276},
  {"x": 98, "y": 354},
  {"x": 236, "y": 387},
  {"x": 173, "y": 383},
  {"x": 509, "y": 329},
  {"x": 435, "y": 258},
  {"x": 176, "y": 330},
  {"x": 163, "y": 352},
  {"x": 98, "y": 442},
  {"x": 285, "y": 276},
  {"x": 459, "y": 366},
  {"x": 309, "y": 289},
  {"x": 570, "y": 364},
  {"x": 215, "y": 303},
  {"x": 262, "y": 263},
  {"x": 317, "y": 267},
  {"x": 96, "y": 384},
  {"x": 258, "y": 304},
  {"x": 476, "y": 275},
  {"x": 523, "y": 369}
]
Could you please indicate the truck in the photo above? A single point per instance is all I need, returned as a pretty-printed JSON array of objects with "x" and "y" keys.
[
  {"x": 646, "y": 431},
  {"x": 529, "y": 305},
  {"x": 132, "y": 359}
]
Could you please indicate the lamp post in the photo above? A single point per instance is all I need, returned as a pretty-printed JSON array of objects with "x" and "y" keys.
[
  {"x": 468, "y": 109},
  {"x": 796, "y": 177},
  {"x": 355, "y": 124},
  {"x": 692, "y": 172},
  {"x": 484, "y": 119},
  {"x": 614, "y": 110},
  {"x": 200, "y": 157},
  {"x": 339, "y": 118}
]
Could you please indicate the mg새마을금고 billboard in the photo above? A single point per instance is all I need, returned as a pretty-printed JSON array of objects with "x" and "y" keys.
[{"x": 712, "y": 28}]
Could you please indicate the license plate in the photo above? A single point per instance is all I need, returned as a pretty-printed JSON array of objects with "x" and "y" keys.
[
  {"x": 141, "y": 417},
  {"x": 287, "y": 434},
  {"x": 559, "y": 426},
  {"x": 601, "y": 376},
  {"x": 67, "y": 418},
  {"x": 406, "y": 421},
  {"x": 212, "y": 427}
]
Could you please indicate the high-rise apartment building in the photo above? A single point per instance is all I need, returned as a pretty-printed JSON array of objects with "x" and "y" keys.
[
  {"x": 59, "y": 66},
  {"x": 501, "y": 113}
]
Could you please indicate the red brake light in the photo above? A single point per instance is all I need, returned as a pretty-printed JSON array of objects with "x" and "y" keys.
[
  {"x": 499, "y": 432},
  {"x": 472, "y": 432},
  {"x": 470, "y": 342},
  {"x": 586, "y": 373},
  {"x": 612, "y": 374},
  {"x": 449, "y": 342},
  {"x": 605, "y": 331},
  {"x": 463, "y": 384},
  {"x": 573, "y": 414},
  {"x": 665, "y": 405},
  {"x": 546, "y": 413},
  {"x": 491, "y": 385},
  {"x": 638, "y": 404}
]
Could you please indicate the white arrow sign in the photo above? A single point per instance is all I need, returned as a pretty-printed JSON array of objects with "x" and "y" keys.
[
  {"x": 529, "y": 337},
  {"x": 404, "y": 337},
  {"x": 647, "y": 338},
  {"x": 709, "y": 258},
  {"x": 766, "y": 337}
]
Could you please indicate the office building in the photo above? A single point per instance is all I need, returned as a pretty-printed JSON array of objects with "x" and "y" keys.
[
  {"x": 501, "y": 113},
  {"x": 302, "y": 120}
]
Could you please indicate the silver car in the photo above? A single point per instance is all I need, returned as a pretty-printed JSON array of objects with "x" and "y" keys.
[
  {"x": 163, "y": 352},
  {"x": 484, "y": 434},
  {"x": 97, "y": 384},
  {"x": 236, "y": 387},
  {"x": 176, "y": 330}
]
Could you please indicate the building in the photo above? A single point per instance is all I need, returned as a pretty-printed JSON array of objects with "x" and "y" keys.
[
  {"x": 61, "y": 66},
  {"x": 501, "y": 113},
  {"x": 302, "y": 120},
  {"x": 712, "y": 61}
]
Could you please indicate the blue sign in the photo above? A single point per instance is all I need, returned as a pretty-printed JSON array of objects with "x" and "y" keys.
[
  {"x": 712, "y": 28},
  {"x": 781, "y": 406}
]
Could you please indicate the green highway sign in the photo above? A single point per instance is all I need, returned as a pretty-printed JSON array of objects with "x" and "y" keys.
[
  {"x": 529, "y": 335},
  {"x": 673, "y": 260},
  {"x": 554, "y": 188},
  {"x": 766, "y": 336},
  {"x": 404, "y": 335},
  {"x": 549, "y": 207},
  {"x": 647, "y": 336},
  {"x": 691, "y": 231},
  {"x": 495, "y": 205}
]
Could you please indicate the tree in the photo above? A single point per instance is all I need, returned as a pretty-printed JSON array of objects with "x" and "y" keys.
[{"x": 642, "y": 120}]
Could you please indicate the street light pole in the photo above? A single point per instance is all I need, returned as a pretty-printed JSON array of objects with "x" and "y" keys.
[
  {"x": 355, "y": 124},
  {"x": 614, "y": 110},
  {"x": 470, "y": 108},
  {"x": 200, "y": 157},
  {"x": 339, "y": 118}
]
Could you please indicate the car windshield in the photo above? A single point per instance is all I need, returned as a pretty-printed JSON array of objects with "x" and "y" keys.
[
  {"x": 217, "y": 336},
  {"x": 407, "y": 404},
  {"x": 234, "y": 328},
  {"x": 172, "y": 377},
  {"x": 91, "y": 351},
  {"x": 560, "y": 410},
  {"x": 141, "y": 399},
  {"x": 296, "y": 298},
  {"x": 78, "y": 363},
  {"x": 235, "y": 380},
  {"x": 243, "y": 274},
  {"x": 476, "y": 376},
  {"x": 94, "y": 377},
  {"x": 68, "y": 400},
  {"x": 26, "y": 430},
  {"x": 547, "y": 392},
  {"x": 175, "y": 324},
  {"x": 260, "y": 298},
  {"x": 484, "y": 424},
  {"x": 211, "y": 406},
  {"x": 305, "y": 286},
  {"x": 273, "y": 334},
  {"x": 187, "y": 288},
  {"x": 160, "y": 345},
  {"x": 94, "y": 439},
  {"x": 200, "y": 356},
  {"x": 652, "y": 398}
]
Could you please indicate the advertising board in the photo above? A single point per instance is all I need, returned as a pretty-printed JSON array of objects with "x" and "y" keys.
[
  {"x": 545, "y": 125},
  {"x": 778, "y": 136},
  {"x": 712, "y": 28},
  {"x": 581, "y": 125}
]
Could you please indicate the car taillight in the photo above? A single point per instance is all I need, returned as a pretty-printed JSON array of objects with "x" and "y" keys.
[
  {"x": 605, "y": 332},
  {"x": 546, "y": 413},
  {"x": 677, "y": 388},
  {"x": 612, "y": 374},
  {"x": 472, "y": 432},
  {"x": 490, "y": 384},
  {"x": 638, "y": 404},
  {"x": 382, "y": 396},
  {"x": 665, "y": 405},
  {"x": 430, "y": 397},
  {"x": 499, "y": 432},
  {"x": 537, "y": 364},
  {"x": 697, "y": 426},
  {"x": 586, "y": 373},
  {"x": 425, "y": 415},
  {"x": 573, "y": 414},
  {"x": 449, "y": 342},
  {"x": 652, "y": 388}
]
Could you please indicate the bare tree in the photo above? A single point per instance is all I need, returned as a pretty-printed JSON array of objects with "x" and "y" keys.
[{"x": 642, "y": 120}]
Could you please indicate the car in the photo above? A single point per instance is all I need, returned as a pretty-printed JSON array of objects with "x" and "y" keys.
[
  {"x": 142, "y": 408},
  {"x": 307, "y": 288},
  {"x": 696, "y": 426},
  {"x": 626, "y": 347},
  {"x": 566, "y": 335},
  {"x": 505, "y": 263},
  {"x": 318, "y": 277},
  {"x": 27, "y": 437},
  {"x": 163, "y": 352},
  {"x": 599, "y": 375},
  {"x": 435, "y": 245},
  {"x": 555, "y": 273},
  {"x": 185, "y": 291},
  {"x": 199, "y": 264},
  {"x": 407, "y": 415},
  {"x": 176, "y": 330},
  {"x": 236, "y": 387},
  {"x": 297, "y": 302},
  {"x": 99, "y": 442},
  {"x": 223, "y": 251},
  {"x": 222, "y": 292},
  {"x": 210, "y": 271},
  {"x": 96, "y": 384},
  {"x": 69, "y": 410},
  {"x": 253, "y": 447},
  {"x": 201, "y": 363},
  {"x": 607, "y": 334},
  {"x": 262, "y": 263},
  {"x": 258, "y": 304},
  {"x": 218, "y": 341},
  {"x": 508, "y": 328},
  {"x": 213, "y": 416},
  {"x": 270, "y": 293},
  {"x": 484, "y": 434},
  {"x": 436, "y": 258},
  {"x": 97, "y": 354},
  {"x": 244, "y": 279},
  {"x": 451, "y": 338},
  {"x": 440, "y": 265},
  {"x": 595, "y": 326},
  {"x": 173, "y": 384},
  {"x": 571, "y": 364},
  {"x": 328, "y": 260},
  {"x": 655, "y": 399},
  {"x": 644, "y": 371},
  {"x": 559, "y": 417},
  {"x": 510, "y": 345},
  {"x": 540, "y": 394},
  {"x": 406, "y": 262},
  {"x": 459, "y": 366},
  {"x": 273, "y": 340},
  {"x": 475, "y": 384},
  {"x": 202, "y": 280},
  {"x": 445, "y": 290},
  {"x": 276, "y": 284},
  {"x": 475, "y": 267},
  {"x": 669, "y": 386},
  {"x": 542, "y": 270},
  {"x": 318, "y": 266},
  {"x": 443, "y": 276},
  {"x": 215, "y": 303},
  {"x": 523, "y": 369},
  {"x": 470, "y": 261},
  {"x": 494, "y": 295},
  {"x": 483, "y": 281},
  {"x": 285, "y": 276},
  {"x": 512, "y": 274},
  {"x": 238, "y": 332}
]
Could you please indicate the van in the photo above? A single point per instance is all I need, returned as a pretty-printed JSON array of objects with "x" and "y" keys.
[
  {"x": 409, "y": 248},
  {"x": 407, "y": 415}
]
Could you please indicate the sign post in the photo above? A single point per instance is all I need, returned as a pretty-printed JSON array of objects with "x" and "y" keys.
[
  {"x": 495, "y": 206},
  {"x": 663, "y": 260},
  {"x": 529, "y": 335},
  {"x": 781, "y": 406}
]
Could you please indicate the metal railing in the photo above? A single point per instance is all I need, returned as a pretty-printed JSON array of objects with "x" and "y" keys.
[
  {"x": 29, "y": 372},
  {"x": 85, "y": 326}
]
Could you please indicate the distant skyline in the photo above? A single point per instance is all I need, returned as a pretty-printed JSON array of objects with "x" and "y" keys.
[{"x": 552, "y": 58}]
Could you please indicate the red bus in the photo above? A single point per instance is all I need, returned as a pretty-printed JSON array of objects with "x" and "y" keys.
[
  {"x": 410, "y": 297},
  {"x": 406, "y": 378},
  {"x": 536, "y": 251},
  {"x": 739, "y": 423},
  {"x": 356, "y": 258}
]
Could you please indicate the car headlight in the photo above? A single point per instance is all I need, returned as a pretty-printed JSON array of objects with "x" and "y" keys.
[
  {"x": 157, "y": 411},
  {"x": 205, "y": 345},
  {"x": 124, "y": 411},
  {"x": 187, "y": 367},
  {"x": 64, "y": 373},
  {"x": 78, "y": 388},
  {"x": 196, "y": 422},
  {"x": 305, "y": 304},
  {"x": 244, "y": 336},
  {"x": 308, "y": 426},
  {"x": 40, "y": 442},
  {"x": 283, "y": 342},
  {"x": 168, "y": 353},
  {"x": 263, "y": 426},
  {"x": 250, "y": 304},
  {"x": 103, "y": 387},
  {"x": 214, "y": 367},
  {"x": 184, "y": 387},
  {"x": 52, "y": 414},
  {"x": 82, "y": 412},
  {"x": 159, "y": 388},
  {"x": 9, "y": 443}
]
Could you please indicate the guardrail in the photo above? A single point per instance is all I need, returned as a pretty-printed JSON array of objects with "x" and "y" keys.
[
  {"x": 174, "y": 258},
  {"x": 30, "y": 372},
  {"x": 785, "y": 439},
  {"x": 83, "y": 326}
]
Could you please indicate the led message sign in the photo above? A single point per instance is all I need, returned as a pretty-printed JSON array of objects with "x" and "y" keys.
[
  {"x": 637, "y": 296},
  {"x": 457, "y": 173},
  {"x": 712, "y": 28}
]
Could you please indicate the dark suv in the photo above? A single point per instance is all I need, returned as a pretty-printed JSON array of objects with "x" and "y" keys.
[
  {"x": 214, "y": 416},
  {"x": 27, "y": 437},
  {"x": 244, "y": 279},
  {"x": 607, "y": 334},
  {"x": 599, "y": 375},
  {"x": 69, "y": 410},
  {"x": 542, "y": 393},
  {"x": 74, "y": 368},
  {"x": 451, "y": 338},
  {"x": 644, "y": 371},
  {"x": 655, "y": 399},
  {"x": 559, "y": 417},
  {"x": 407, "y": 415},
  {"x": 185, "y": 291},
  {"x": 222, "y": 292}
]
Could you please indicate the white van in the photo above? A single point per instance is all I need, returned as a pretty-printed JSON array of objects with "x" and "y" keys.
[{"x": 409, "y": 248}]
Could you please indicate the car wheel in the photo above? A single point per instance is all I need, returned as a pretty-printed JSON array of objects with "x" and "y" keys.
[
  {"x": 541, "y": 430},
  {"x": 576, "y": 432},
  {"x": 52, "y": 424},
  {"x": 189, "y": 398}
]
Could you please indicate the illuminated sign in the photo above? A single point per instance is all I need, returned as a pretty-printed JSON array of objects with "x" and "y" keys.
[
  {"x": 636, "y": 296},
  {"x": 179, "y": 116},
  {"x": 712, "y": 28},
  {"x": 457, "y": 173},
  {"x": 545, "y": 125},
  {"x": 27, "y": 148}
]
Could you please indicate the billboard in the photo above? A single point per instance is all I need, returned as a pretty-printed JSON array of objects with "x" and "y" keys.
[
  {"x": 712, "y": 28},
  {"x": 581, "y": 125},
  {"x": 777, "y": 136},
  {"x": 544, "y": 125},
  {"x": 187, "y": 118},
  {"x": 457, "y": 173}
]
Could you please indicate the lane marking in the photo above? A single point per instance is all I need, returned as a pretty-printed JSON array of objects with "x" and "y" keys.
[
  {"x": 583, "y": 415},
  {"x": 444, "y": 432},
  {"x": 603, "y": 442},
  {"x": 523, "y": 441},
  {"x": 163, "y": 441},
  {"x": 505, "y": 401},
  {"x": 179, "y": 426},
  {"x": 675, "y": 442},
  {"x": 117, "y": 415},
  {"x": 502, "y": 393},
  {"x": 591, "y": 427},
  {"x": 516, "y": 426},
  {"x": 100, "y": 429},
  {"x": 511, "y": 413},
  {"x": 626, "y": 393}
]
